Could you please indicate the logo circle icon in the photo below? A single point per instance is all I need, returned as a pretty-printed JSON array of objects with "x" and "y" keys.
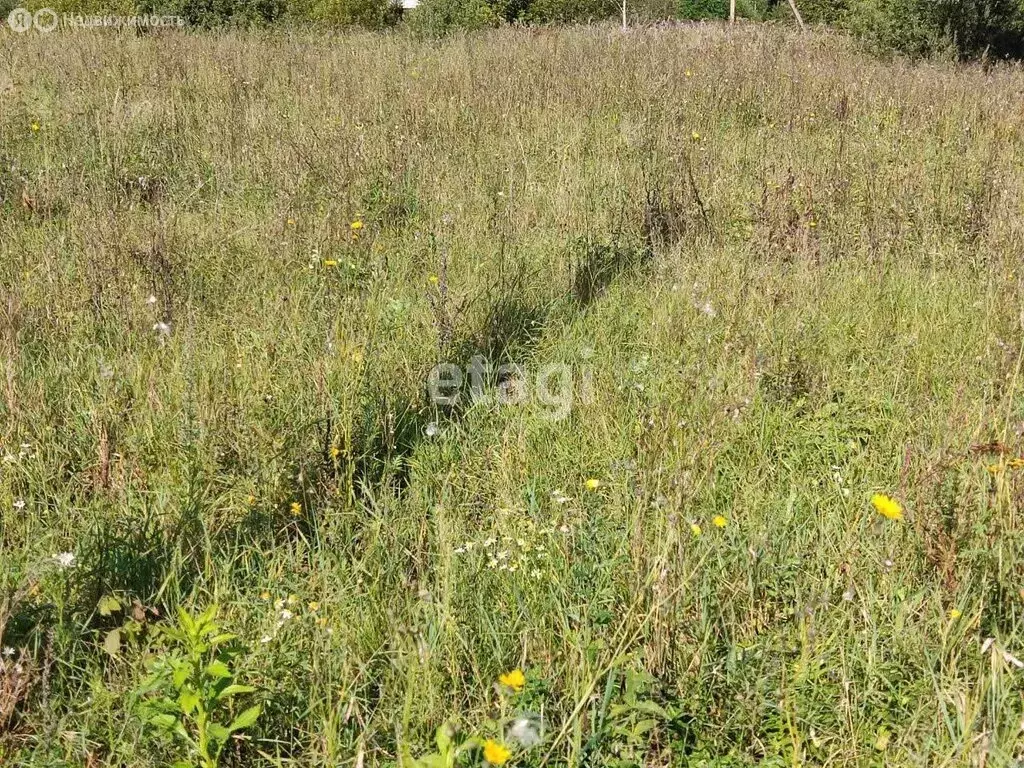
[
  {"x": 45, "y": 19},
  {"x": 20, "y": 20}
]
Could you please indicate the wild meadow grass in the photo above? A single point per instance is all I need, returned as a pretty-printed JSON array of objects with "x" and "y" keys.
[{"x": 783, "y": 277}]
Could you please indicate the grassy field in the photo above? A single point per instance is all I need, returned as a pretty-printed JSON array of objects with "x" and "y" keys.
[{"x": 749, "y": 279}]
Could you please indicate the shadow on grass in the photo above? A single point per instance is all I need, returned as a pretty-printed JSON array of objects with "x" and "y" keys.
[{"x": 596, "y": 265}]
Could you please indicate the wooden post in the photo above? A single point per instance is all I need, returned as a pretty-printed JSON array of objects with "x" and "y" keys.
[
  {"x": 624, "y": 14},
  {"x": 799, "y": 18},
  {"x": 732, "y": 11}
]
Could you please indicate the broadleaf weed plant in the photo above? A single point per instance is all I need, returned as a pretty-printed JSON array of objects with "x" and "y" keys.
[{"x": 188, "y": 694}]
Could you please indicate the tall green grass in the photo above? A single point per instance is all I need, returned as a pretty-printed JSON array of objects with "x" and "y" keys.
[{"x": 789, "y": 274}]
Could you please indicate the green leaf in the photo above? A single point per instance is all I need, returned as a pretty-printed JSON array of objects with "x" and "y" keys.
[
  {"x": 171, "y": 634},
  {"x": 164, "y": 722},
  {"x": 147, "y": 711},
  {"x": 247, "y": 718},
  {"x": 108, "y": 604},
  {"x": 205, "y": 623},
  {"x": 443, "y": 738},
  {"x": 218, "y": 732},
  {"x": 650, "y": 708},
  {"x": 218, "y": 669},
  {"x": 186, "y": 621},
  {"x": 234, "y": 690},
  {"x": 882, "y": 738},
  {"x": 188, "y": 701},
  {"x": 112, "y": 642},
  {"x": 644, "y": 726},
  {"x": 181, "y": 673}
]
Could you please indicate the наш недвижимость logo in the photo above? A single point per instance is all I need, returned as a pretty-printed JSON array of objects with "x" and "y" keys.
[
  {"x": 20, "y": 20},
  {"x": 47, "y": 20}
]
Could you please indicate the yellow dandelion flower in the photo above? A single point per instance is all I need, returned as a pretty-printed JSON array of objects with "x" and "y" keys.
[
  {"x": 695, "y": 136},
  {"x": 291, "y": 222},
  {"x": 356, "y": 225},
  {"x": 495, "y": 753},
  {"x": 314, "y": 606},
  {"x": 688, "y": 73},
  {"x": 264, "y": 595},
  {"x": 515, "y": 680},
  {"x": 330, "y": 262},
  {"x": 35, "y": 127},
  {"x": 251, "y": 500},
  {"x": 433, "y": 280},
  {"x": 335, "y": 451},
  {"x": 593, "y": 484},
  {"x": 955, "y": 614},
  {"x": 719, "y": 521},
  {"x": 296, "y": 508},
  {"x": 695, "y": 528},
  {"x": 995, "y": 469},
  {"x": 888, "y": 508},
  {"x": 293, "y": 600},
  {"x": 1015, "y": 463}
]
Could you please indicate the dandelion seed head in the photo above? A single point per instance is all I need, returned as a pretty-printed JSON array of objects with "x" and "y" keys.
[
  {"x": 64, "y": 559},
  {"x": 525, "y": 731}
]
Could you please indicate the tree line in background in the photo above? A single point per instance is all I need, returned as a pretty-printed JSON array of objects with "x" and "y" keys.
[{"x": 964, "y": 28}]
